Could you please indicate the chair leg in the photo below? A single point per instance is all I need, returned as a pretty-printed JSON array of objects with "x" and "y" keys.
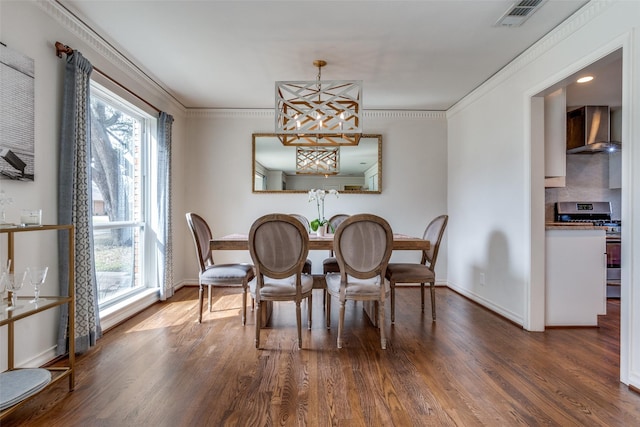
[
  {"x": 422, "y": 295},
  {"x": 433, "y": 300},
  {"x": 210, "y": 305},
  {"x": 298, "y": 323},
  {"x": 383, "y": 337},
  {"x": 341, "y": 323},
  {"x": 393, "y": 302},
  {"x": 309, "y": 307},
  {"x": 200, "y": 301},
  {"x": 376, "y": 316},
  {"x": 244, "y": 305},
  {"x": 258, "y": 322},
  {"x": 328, "y": 310}
]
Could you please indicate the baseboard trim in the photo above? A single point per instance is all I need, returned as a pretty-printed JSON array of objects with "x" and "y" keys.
[{"x": 117, "y": 314}]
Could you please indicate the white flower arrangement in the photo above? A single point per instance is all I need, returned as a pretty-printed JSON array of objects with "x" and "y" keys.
[{"x": 319, "y": 196}]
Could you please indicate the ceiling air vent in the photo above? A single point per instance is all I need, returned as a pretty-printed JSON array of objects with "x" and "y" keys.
[{"x": 519, "y": 12}]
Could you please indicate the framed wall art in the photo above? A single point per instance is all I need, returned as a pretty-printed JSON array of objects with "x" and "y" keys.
[{"x": 17, "y": 92}]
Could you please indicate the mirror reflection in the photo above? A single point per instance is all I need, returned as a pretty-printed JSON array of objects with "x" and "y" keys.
[{"x": 275, "y": 168}]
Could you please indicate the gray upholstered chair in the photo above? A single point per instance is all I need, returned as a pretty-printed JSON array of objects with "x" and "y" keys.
[
  {"x": 330, "y": 265},
  {"x": 420, "y": 273},
  {"x": 362, "y": 244},
  {"x": 212, "y": 274},
  {"x": 279, "y": 246},
  {"x": 308, "y": 264}
]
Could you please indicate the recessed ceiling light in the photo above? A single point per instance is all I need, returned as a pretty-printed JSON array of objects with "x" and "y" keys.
[{"x": 585, "y": 79}]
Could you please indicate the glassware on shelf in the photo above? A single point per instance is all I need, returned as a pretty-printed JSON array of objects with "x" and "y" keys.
[
  {"x": 4, "y": 201},
  {"x": 31, "y": 217},
  {"x": 13, "y": 286},
  {"x": 3, "y": 281},
  {"x": 3, "y": 287},
  {"x": 36, "y": 276}
]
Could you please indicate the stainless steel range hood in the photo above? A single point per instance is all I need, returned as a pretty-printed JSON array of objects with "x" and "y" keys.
[{"x": 588, "y": 130}]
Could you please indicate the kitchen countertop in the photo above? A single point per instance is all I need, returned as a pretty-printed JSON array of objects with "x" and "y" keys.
[{"x": 572, "y": 226}]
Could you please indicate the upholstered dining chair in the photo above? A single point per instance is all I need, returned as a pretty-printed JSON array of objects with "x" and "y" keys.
[
  {"x": 330, "y": 265},
  {"x": 362, "y": 245},
  {"x": 420, "y": 273},
  {"x": 212, "y": 274},
  {"x": 308, "y": 264},
  {"x": 279, "y": 246}
]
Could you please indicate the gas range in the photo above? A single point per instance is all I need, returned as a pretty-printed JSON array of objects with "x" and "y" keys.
[
  {"x": 613, "y": 227},
  {"x": 596, "y": 213}
]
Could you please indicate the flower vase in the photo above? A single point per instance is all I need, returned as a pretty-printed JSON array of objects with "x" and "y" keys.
[{"x": 322, "y": 230}]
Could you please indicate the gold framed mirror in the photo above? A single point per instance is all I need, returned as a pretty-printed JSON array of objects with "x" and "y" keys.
[{"x": 276, "y": 167}]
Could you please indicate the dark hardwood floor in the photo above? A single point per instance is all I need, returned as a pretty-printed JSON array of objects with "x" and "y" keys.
[{"x": 471, "y": 367}]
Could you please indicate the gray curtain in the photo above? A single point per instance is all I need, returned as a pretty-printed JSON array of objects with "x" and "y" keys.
[
  {"x": 74, "y": 206},
  {"x": 164, "y": 259}
]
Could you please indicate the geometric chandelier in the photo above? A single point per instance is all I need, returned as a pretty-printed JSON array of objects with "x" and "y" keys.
[
  {"x": 317, "y": 160},
  {"x": 319, "y": 112}
]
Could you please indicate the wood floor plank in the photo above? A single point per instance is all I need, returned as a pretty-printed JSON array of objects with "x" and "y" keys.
[{"x": 469, "y": 368}]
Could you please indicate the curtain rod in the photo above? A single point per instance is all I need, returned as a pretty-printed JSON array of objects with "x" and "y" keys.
[{"x": 63, "y": 48}]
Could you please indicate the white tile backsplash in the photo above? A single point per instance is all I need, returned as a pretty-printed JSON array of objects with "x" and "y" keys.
[{"x": 587, "y": 180}]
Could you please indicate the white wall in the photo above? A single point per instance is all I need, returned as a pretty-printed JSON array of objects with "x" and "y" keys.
[
  {"x": 414, "y": 184},
  {"x": 32, "y": 30},
  {"x": 492, "y": 183}
]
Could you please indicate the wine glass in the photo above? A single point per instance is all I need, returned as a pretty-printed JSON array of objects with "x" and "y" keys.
[
  {"x": 36, "y": 276},
  {"x": 13, "y": 286},
  {"x": 3, "y": 286}
]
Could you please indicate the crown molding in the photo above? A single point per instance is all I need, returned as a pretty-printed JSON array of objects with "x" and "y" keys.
[
  {"x": 576, "y": 21},
  {"x": 217, "y": 113},
  {"x": 229, "y": 113},
  {"x": 92, "y": 39},
  {"x": 406, "y": 114}
]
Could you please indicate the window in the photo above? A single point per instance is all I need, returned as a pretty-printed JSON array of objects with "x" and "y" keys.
[
  {"x": 120, "y": 140},
  {"x": 259, "y": 181}
]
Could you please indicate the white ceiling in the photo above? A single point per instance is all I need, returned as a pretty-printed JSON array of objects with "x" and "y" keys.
[
  {"x": 604, "y": 89},
  {"x": 415, "y": 55}
]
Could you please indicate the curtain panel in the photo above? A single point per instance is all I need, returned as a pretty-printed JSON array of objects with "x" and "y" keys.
[
  {"x": 74, "y": 206},
  {"x": 163, "y": 212}
]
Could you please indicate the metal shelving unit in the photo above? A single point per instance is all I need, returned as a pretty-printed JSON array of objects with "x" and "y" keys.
[{"x": 9, "y": 317}]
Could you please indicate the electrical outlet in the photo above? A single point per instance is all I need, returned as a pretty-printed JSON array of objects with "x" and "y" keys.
[{"x": 481, "y": 279}]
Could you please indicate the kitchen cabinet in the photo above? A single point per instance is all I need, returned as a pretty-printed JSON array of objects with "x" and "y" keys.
[
  {"x": 575, "y": 276},
  {"x": 615, "y": 170},
  {"x": 26, "y": 309},
  {"x": 555, "y": 149}
]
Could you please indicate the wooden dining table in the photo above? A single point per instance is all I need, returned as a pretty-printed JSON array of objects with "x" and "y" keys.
[{"x": 241, "y": 242}]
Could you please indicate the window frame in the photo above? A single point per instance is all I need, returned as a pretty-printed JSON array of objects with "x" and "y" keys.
[{"x": 148, "y": 140}]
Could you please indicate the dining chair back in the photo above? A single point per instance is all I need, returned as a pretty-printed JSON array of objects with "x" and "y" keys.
[
  {"x": 304, "y": 220},
  {"x": 212, "y": 274},
  {"x": 420, "y": 273},
  {"x": 308, "y": 264},
  {"x": 363, "y": 245},
  {"x": 330, "y": 264},
  {"x": 279, "y": 245},
  {"x": 335, "y": 221}
]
